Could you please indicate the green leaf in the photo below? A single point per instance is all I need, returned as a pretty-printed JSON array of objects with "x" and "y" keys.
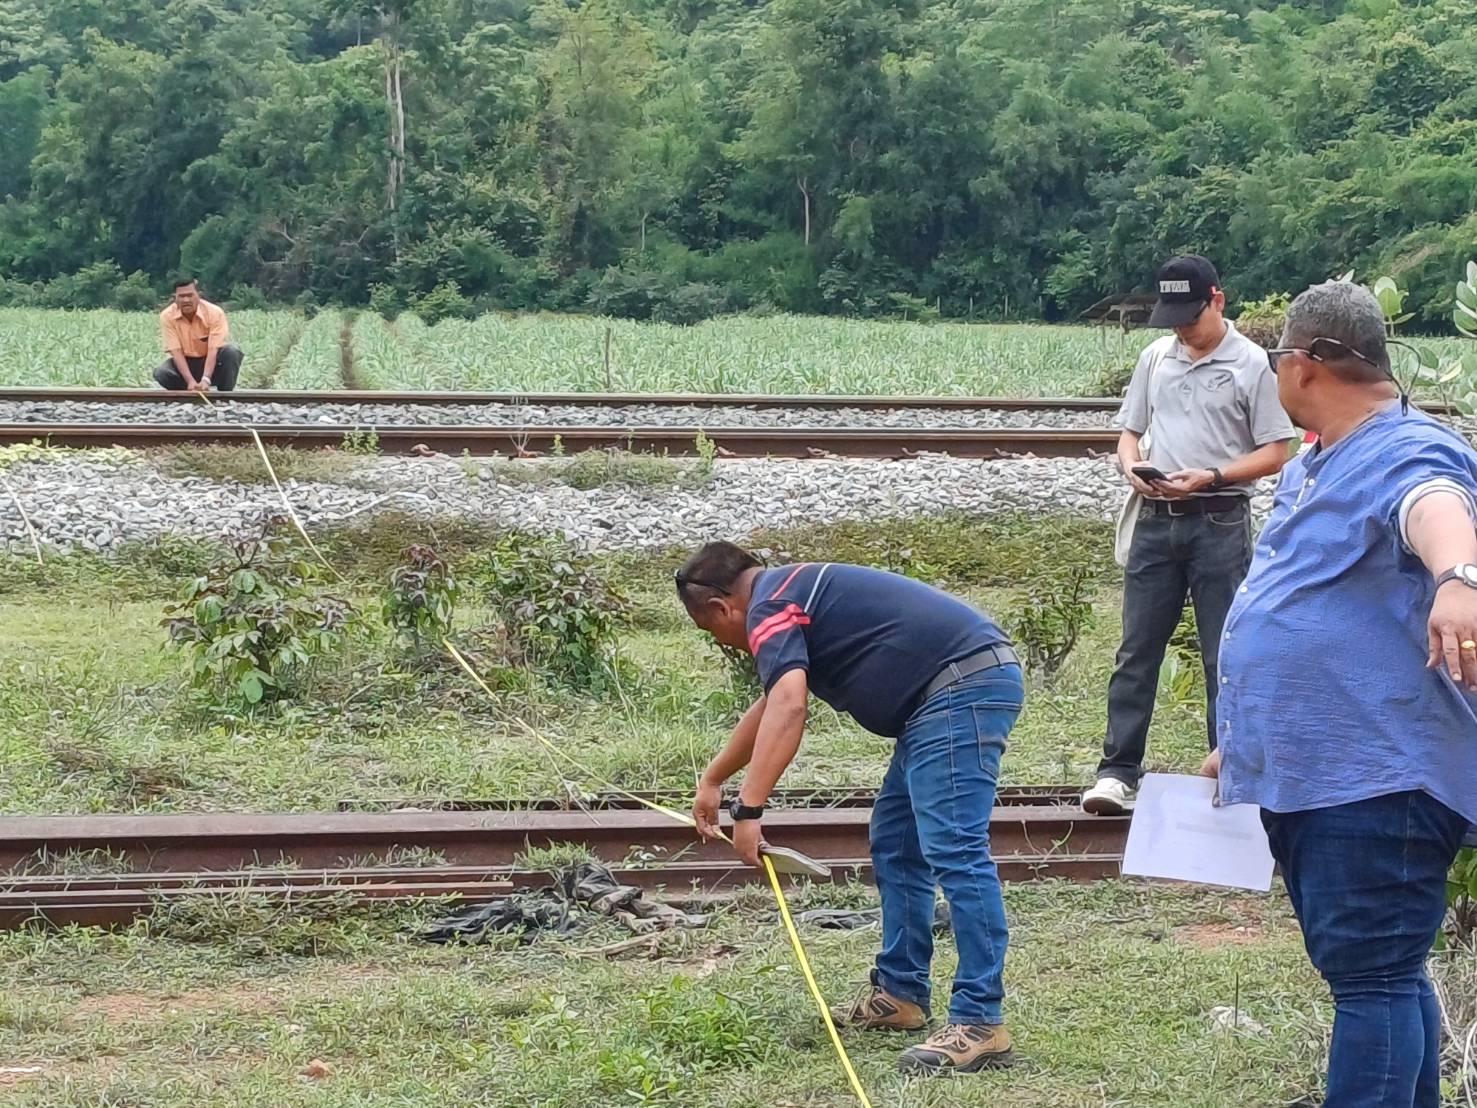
[
  {"x": 1466, "y": 294},
  {"x": 251, "y": 689}
]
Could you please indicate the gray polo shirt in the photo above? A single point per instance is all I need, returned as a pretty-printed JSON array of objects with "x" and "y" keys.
[{"x": 1204, "y": 414}]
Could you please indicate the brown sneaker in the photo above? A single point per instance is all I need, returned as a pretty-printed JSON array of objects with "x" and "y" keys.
[
  {"x": 959, "y": 1048},
  {"x": 875, "y": 1009}
]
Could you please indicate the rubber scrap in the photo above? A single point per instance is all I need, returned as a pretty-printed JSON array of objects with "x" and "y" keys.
[{"x": 582, "y": 891}]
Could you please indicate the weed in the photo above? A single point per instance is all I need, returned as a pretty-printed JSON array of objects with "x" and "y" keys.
[
  {"x": 420, "y": 601},
  {"x": 556, "y": 608},
  {"x": 243, "y": 465},
  {"x": 362, "y": 441},
  {"x": 593, "y": 469},
  {"x": 256, "y": 625}
]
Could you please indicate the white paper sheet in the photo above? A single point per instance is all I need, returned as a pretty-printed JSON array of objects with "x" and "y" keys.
[{"x": 1177, "y": 833}]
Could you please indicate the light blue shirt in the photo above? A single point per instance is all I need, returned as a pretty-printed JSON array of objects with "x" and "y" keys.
[{"x": 1325, "y": 696}]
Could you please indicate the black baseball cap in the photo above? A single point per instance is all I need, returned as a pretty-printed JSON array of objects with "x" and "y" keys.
[{"x": 1185, "y": 285}]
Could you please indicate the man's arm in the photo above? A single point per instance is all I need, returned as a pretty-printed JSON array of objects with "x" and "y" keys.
[
  {"x": 217, "y": 338},
  {"x": 1439, "y": 529},
  {"x": 1261, "y": 462},
  {"x": 733, "y": 757},
  {"x": 775, "y": 743},
  {"x": 172, "y": 347},
  {"x": 184, "y": 368}
]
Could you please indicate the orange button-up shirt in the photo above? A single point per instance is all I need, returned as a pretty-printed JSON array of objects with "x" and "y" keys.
[{"x": 194, "y": 338}]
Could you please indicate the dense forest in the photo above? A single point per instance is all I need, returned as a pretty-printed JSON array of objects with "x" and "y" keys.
[{"x": 679, "y": 158}]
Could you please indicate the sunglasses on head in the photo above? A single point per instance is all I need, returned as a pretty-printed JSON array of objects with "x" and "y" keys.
[
  {"x": 683, "y": 581},
  {"x": 1342, "y": 350}
]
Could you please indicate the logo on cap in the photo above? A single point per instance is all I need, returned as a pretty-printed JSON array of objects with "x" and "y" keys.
[{"x": 1174, "y": 286}]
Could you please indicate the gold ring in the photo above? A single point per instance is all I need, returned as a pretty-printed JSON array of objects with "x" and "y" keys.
[{"x": 1468, "y": 644}]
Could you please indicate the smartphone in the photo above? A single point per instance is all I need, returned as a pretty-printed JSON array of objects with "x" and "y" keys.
[{"x": 1149, "y": 473}]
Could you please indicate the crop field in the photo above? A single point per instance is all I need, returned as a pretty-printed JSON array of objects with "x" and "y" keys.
[{"x": 777, "y": 354}]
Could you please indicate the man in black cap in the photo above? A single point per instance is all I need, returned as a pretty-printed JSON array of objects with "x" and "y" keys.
[{"x": 1201, "y": 423}]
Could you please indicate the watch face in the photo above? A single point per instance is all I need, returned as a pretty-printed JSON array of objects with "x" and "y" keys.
[{"x": 1468, "y": 575}]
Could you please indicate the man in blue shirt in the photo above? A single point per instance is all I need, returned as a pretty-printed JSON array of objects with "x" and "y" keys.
[
  {"x": 1348, "y": 665},
  {"x": 914, "y": 664}
]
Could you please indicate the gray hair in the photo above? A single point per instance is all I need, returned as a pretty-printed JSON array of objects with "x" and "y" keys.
[{"x": 1348, "y": 313}]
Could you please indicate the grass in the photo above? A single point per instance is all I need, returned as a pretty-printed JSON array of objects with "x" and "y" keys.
[
  {"x": 1111, "y": 990},
  {"x": 226, "y": 1002},
  {"x": 94, "y": 713},
  {"x": 243, "y": 465}
]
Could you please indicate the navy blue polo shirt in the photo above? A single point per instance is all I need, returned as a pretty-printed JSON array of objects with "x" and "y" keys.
[{"x": 869, "y": 641}]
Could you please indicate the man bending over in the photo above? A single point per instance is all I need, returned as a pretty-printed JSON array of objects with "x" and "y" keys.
[{"x": 914, "y": 664}]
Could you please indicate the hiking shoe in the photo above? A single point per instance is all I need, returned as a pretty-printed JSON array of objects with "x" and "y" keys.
[
  {"x": 876, "y": 1009},
  {"x": 1109, "y": 797},
  {"x": 959, "y": 1048}
]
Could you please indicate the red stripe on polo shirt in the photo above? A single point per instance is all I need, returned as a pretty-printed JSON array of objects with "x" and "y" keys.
[
  {"x": 793, "y": 574},
  {"x": 791, "y": 616}
]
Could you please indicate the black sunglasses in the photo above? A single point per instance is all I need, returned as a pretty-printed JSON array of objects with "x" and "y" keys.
[
  {"x": 683, "y": 581},
  {"x": 1276, "y": 354}
]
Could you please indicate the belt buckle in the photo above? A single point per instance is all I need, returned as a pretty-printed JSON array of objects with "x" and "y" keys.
[{"x": 1170, "y": 505}]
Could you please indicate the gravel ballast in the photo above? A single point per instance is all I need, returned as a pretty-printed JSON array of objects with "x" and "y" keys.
[
  {"x": 545, "y": 415},
  {"x": 87, "y": 502}
]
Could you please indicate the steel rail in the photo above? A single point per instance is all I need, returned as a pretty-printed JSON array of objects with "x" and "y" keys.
[
  {"x": 783, "y": 797},
  {"x": 116, "y": 900},
  {"x": 483, "y": 440},
  {"x": 231, "y": 841},
  {"x": 564, "y": 399}
]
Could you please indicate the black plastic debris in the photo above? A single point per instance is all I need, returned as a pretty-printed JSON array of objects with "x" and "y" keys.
[
  {"x": 554, "y": 909},
  {"x": 845, "y": 919}
]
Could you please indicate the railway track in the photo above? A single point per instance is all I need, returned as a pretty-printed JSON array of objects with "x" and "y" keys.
[
  {"x": 787, "y": 442},
  {"x": 537, "y": 424},
  {"x": 559, "y": 399},
  {"x": 480, "y": 844}
]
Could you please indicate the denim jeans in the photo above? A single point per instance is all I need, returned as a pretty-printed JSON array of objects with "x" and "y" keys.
[
  {"x": 1205, "y": 555},
  {"x": 227, "y": 366},
  {"x": 1368, "y": 884},
  {"x": 931, "y": 827}
]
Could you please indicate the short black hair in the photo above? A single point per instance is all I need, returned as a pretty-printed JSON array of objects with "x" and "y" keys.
[
  {"x": 181, "y": 282},
  {"x": 716, "y": 567}
]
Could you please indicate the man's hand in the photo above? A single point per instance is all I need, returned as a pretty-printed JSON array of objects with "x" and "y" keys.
[
  {"x": 1140, "y": 486},
  {"x": 1453, "y": 632},
  {"x": 1186, "y": 482},
  {"x": 705, "y": 810},
  {"x": 748, "y": 840},
  {"x": 1211, "y": 767}
]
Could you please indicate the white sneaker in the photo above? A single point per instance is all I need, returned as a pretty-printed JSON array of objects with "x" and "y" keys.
[{"x": 1109, "y": 797}]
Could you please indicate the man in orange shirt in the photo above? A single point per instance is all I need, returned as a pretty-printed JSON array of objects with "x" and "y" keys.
[{"x": 198, "y": 341}]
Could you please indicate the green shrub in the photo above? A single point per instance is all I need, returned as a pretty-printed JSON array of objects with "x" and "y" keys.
[
  {"x": 134, "y": 294},
  {"x": 420, "y": 602},
  {"x": 256, "y": 626},
  {"x": 445, "y": 301},
  {"x": 558, "y": 612},
  {"x": 386, "y": 300},
  {"x": 1051, "y": 613}
]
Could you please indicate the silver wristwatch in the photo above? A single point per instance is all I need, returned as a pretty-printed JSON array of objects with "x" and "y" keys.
[{"x": 1466, "y": 573}]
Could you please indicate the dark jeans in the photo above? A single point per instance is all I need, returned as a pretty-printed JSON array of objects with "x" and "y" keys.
[
  {"x": 1368, "y": 884},
  {"x": 227, "y": 365},
  {"x": 931, "y": 827},
  {"x": 1204, "y": 555}
]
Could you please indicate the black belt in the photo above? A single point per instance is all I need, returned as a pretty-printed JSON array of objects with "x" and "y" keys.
[
  {"x": 1195, "y": 505},
  {"x": 954, "y": 672}
]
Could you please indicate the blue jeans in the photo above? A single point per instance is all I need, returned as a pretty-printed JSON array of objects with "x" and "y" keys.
[
  {"x": 931, "y": 826},
  {"x": 1368, "y": 884}
]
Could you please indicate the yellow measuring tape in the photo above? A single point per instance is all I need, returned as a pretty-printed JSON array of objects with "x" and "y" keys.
[{"x": 672, "y": 813}]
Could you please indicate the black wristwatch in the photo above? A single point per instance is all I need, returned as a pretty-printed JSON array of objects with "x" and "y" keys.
[
  {"x": 1466, "y": 573},
  {"x": 741, "y": 811},
  {"x": 1220, "y": 478}
]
